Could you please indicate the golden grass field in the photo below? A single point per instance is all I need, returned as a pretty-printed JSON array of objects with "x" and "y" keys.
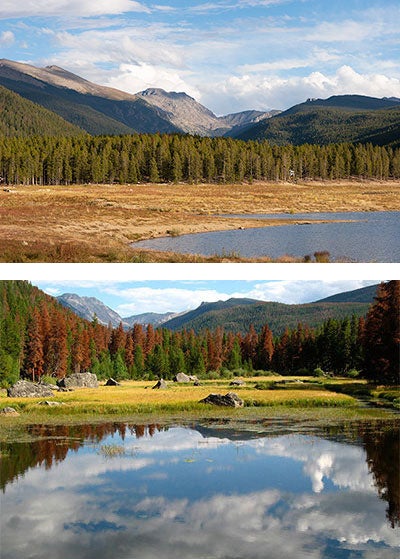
[
  {"x": 139, "y": 396},
  {"x": 97, "y": 223}
]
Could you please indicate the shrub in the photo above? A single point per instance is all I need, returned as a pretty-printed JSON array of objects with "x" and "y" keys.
[
  {"x": 304, "y": 372},
  {"x": 47, "y": 379},
  {"x": 318, "y": 372},
  {"x": 267, "y": 385},
  {"x": 352, "y": 373}
]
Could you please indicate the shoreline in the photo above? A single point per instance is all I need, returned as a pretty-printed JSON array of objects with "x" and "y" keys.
[{"x": 98, "y": 223}]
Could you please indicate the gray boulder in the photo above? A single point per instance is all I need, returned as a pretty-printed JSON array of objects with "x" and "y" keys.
[
  {"x": 231, "y": 399},
  {"x": 9, "y": 411},
  {"x": 79, "y": 380},
  {"x": 161, "y": 385},
  {"x": 182, "y": 377},
  {"x": 237, "y": 382},
  {"x": 27, "y": 389},
  {"x": 50, "y": 403}
]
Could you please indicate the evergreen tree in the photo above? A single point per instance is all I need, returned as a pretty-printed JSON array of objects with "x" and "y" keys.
[{"x": 382, "y": 336}]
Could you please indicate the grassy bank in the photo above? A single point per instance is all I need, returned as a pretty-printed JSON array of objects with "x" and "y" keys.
[
  {"x": 261, "y": 396},
  {"x": 97, "y": 223}
]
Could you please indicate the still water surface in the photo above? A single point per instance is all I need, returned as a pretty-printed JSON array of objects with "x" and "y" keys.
[
  {"x": 366, "y": 237},
  {"x": 209, "y": 490}
]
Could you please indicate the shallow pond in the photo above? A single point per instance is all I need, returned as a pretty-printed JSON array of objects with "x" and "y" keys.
[
  {"x": 205, "y": 490},
  {"x": 366, "y": 237}
]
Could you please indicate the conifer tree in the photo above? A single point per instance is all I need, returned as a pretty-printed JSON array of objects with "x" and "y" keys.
[{"x": 381, "y": 338}]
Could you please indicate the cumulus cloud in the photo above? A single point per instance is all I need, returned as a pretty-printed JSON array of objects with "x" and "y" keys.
[
  {"x": 323, "y": 460},
  {"x": 137, "y": 77},
  {"x": 261, "y": 92}
]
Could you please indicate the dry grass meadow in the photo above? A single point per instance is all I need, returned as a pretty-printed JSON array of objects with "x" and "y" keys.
[
  {"x": 139, "y": 397},
  {"x": 97, "y": 223}
]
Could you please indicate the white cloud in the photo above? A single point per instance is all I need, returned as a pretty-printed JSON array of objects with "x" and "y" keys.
[
  {"x": 49, "y": 8},
  {"x": 301, "y": 291},
  {"x": 7, "y": 38},
  {"x": 137, "y": 77},
  {"x": 144, "y": 299},
  {"x": 343, "y": 31},
  {"x": 262, "y": 92}
]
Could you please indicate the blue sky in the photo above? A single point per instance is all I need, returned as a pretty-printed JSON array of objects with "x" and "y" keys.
[
  {"x": 230, "y": 55},
  {"x": 130, "y": 297}
]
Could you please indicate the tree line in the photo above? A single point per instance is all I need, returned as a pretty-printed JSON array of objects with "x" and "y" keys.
[
  {"x": 130, "y": 159},
  {"x": 40, "y": 338}
]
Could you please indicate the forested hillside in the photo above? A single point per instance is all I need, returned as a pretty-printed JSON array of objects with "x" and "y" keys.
[
  {"x": 173, "y": 158},
  {"x": 362, "y": 295},
  {"x": 39, "y": 337},
  {"x": 325, "y": 125},
  {"x": 237, "y": 316},
  {"x": 20, "y": 117}
]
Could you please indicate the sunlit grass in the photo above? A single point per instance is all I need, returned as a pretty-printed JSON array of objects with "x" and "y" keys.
[{"x": 139, "y": 397}]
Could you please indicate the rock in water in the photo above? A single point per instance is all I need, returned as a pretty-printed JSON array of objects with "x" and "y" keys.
[
  {"x": 79, "y": 380},
  {"x": 27, "y": 389},
  {"x": 231, "y": 399}
]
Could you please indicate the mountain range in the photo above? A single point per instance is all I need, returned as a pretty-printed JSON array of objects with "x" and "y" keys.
[
  {"x": 98, "y": 109},
  {"x": 235, "y": 314},
  {"x": 84, "y": 106}
]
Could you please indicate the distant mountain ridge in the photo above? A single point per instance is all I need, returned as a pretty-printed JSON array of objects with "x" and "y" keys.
[
  {"x": 90, "y": 308},
  {"x": 104, "y": 110},
  {"x": 340, "y": 118},
  {"x": 235, "y": 314}
]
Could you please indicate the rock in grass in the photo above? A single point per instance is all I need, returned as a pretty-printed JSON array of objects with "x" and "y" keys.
[
  {"x": 27, "y": 389},
  {"x": 237, "y": 382},
  {"x": 49, "y": 403},
  {"x": 231, "y": 399},
  {"x": 181, "y": 377},
  {"x": 79, "y": 380},
  {"x": 9, "y": 411},
  {"x": 161, "y": 385},
  {"x": 112, "y": 382}
]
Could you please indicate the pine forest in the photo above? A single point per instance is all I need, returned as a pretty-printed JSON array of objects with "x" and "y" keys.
[
  {"x": 40, "y": 338},
  {"x": 155, "y": 158}
]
